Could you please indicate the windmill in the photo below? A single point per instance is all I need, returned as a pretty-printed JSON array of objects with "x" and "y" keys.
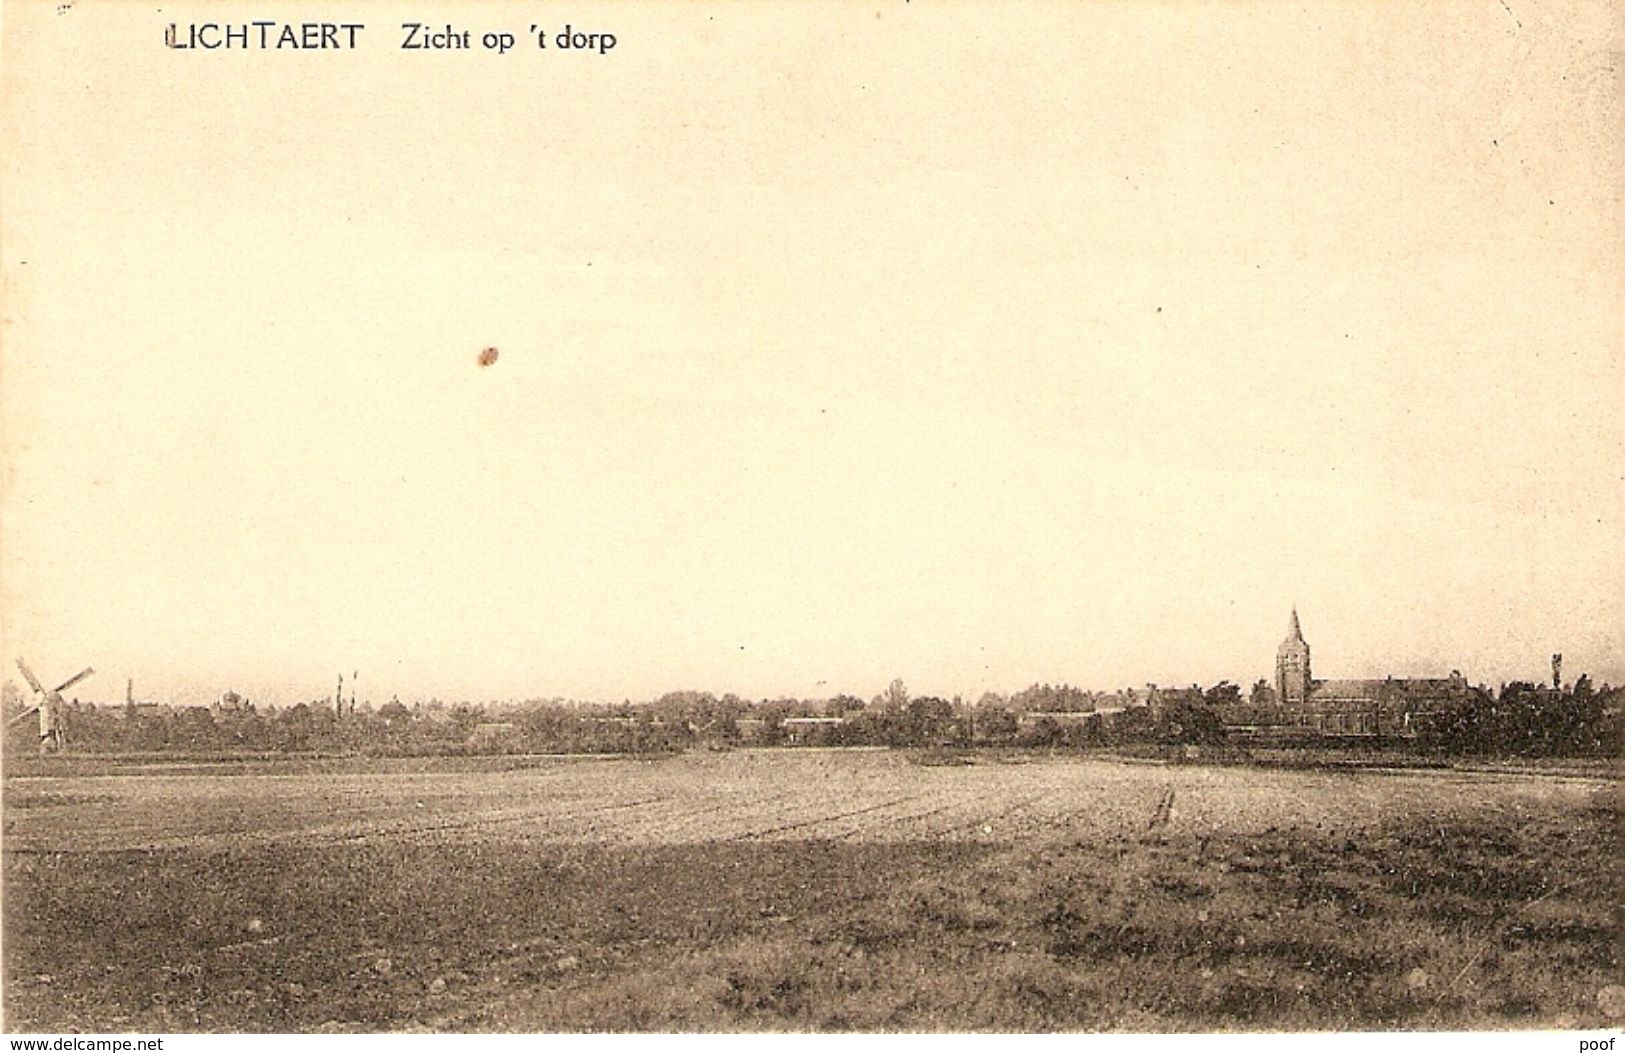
[{"x": 49, "y": 706}]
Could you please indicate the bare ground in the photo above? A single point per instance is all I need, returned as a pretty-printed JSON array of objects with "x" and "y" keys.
[{"x": 807, "y": 891}]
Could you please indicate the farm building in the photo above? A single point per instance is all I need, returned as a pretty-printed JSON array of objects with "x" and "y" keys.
[
  {"x": 493, "y": 733},
  {"x": 1032, "y": 719},
  {"x": 811, "y": 731}
]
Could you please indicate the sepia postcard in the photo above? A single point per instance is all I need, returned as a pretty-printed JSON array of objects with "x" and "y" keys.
[{"x": 823, "y": 517}]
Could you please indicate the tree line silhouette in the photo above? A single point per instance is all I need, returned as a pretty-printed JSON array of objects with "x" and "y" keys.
[{"x": 1521, "y": 719}]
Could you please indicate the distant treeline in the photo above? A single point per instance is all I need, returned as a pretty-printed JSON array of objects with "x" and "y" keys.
[
  {"x": 1522, "y": 719},
  {"x": 1534, "y": 720}
]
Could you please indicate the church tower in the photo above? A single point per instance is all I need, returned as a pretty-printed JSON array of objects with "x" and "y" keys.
[{"x": 1292, "y": 666}]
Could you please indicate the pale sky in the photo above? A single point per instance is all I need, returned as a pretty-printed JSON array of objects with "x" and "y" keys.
[{"x": 971, "y": 344}]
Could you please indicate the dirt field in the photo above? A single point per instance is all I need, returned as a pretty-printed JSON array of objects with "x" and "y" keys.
[{"x": 802, "y": 890}]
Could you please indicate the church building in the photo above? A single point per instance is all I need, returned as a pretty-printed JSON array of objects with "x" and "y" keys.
[
  {"x": 1388, "y": 706},
  {"x": 1292, "y": 680}
]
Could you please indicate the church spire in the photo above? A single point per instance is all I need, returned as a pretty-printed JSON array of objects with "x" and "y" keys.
[{"x": 1293, "y": 680}]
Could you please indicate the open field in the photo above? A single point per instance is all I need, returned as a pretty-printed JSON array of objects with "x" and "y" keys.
[{"x": 805, "y": 890}]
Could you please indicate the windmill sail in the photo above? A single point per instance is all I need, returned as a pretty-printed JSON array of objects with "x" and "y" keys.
[
  {"x": 73, "y": 680},
  {"x": 29, "y": 676}
]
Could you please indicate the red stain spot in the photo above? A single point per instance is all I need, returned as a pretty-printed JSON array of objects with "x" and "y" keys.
[{"x": 488, "y": 357}]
